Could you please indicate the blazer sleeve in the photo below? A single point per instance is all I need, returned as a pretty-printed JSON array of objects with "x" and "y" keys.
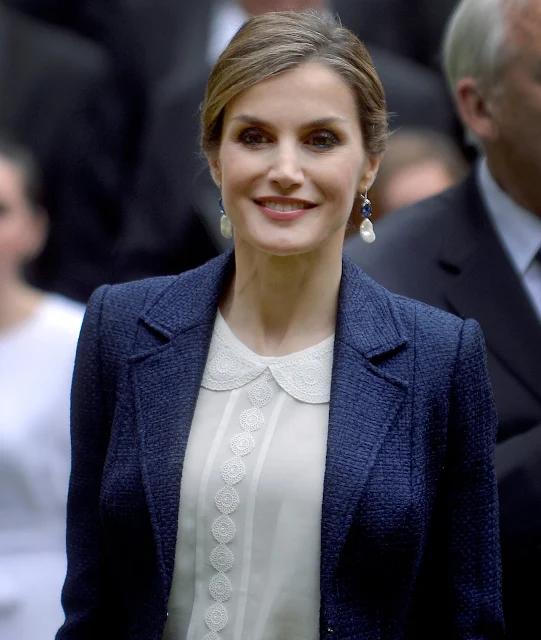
[
  {"x": 85, "y": 598},
  {"x": 470, "y": 510}
]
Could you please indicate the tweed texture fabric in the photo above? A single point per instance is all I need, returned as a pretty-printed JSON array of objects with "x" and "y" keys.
[{"x": 409, "y": 531}]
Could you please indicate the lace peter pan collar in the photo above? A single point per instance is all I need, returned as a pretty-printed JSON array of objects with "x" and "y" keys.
[{"x": 305, "y": 375}]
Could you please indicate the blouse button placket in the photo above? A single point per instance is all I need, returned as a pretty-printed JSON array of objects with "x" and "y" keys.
[{"x": 227, "y": 501}]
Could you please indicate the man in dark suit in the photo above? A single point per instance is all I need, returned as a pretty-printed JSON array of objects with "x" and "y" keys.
[
  {"x": 475, "y": 250},
  {"x": 172, "y": 216}
]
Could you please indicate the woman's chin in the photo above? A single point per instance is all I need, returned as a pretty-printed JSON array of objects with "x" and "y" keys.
[
  {"x": 291, "y": 242},
  {"x": 283, "y": 247}
]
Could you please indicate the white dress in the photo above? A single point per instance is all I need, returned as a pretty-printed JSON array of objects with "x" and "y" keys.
[
  {"x": 36, "y": 365},
  {"x": 248, "y": 545}
]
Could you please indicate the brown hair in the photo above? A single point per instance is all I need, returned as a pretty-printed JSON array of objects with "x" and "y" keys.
[{"x": 275, "y": 42}]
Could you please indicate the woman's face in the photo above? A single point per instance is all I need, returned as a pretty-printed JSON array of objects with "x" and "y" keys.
[
  {"x": 21, "y": 229},
  {"x": 291, "y": 161}
]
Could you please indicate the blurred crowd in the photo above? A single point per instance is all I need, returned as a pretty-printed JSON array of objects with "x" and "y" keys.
[{"x": 102, "y": 181}]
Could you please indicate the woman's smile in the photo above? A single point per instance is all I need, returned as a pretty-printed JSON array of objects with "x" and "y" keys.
[{"x": 280, "y": 208}]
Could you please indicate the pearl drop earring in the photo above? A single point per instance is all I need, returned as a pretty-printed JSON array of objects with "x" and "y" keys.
[
  {"x": 367, "y": 229},
  {"x": 226, "y": 227}
]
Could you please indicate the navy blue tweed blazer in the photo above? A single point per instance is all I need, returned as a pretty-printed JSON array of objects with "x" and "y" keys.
[{"x": 409, "y": 531}]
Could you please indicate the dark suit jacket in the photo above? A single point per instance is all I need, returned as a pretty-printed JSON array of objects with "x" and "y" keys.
[
  {"x": 445, "y": 252},
  {"x": 409, "y": 540}
]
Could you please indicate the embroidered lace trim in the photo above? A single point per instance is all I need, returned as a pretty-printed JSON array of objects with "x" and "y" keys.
[
  {"x": 305, "y": 375},
  {"x": 227, "y": 502}
]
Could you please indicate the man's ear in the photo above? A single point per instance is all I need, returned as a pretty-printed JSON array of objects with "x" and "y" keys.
[
  {"x": 215, "y": 169},
  {"x": 474, "y": 108}
]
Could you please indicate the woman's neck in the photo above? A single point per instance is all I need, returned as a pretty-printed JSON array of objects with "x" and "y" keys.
[
  {"x": 18, "y": 302},
  {"x": 280, "y": 305}
]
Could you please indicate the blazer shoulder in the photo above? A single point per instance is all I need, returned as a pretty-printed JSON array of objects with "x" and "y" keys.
[
  {"x": 441, "y": 344},
  {"x": 120, "y": 306},
  {"x": 430, "y": 328}
]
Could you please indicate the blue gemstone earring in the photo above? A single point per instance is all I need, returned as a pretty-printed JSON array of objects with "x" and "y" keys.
[
  {"x": 367, "y": 229},
  {"x": 225, "y": 223}
]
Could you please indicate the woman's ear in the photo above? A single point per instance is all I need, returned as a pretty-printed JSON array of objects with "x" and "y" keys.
[
  {"x": 370, "y": 172},
  {"x": 215, "y": 169}
]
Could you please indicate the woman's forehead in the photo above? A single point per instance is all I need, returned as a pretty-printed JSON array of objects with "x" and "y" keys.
[{"x": 307, "y": 93}]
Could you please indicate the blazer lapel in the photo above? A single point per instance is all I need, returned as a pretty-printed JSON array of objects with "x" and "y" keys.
[
  {"x": 166, "y": 382},
  {"x": 487, "y": 288},
  {"x": 364, "y": 404}
]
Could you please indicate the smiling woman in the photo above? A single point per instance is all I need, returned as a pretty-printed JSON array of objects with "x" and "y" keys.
[
  {"x": 291, "y": 162},
  {"x": 274, "y": 446}
]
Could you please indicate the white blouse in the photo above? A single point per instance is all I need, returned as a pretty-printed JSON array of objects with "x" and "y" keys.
[{"x": 248, "y": 545}]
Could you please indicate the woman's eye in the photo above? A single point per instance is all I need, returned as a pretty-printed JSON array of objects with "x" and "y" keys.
[
  {"x": 253, "y": 138},
  {"x": 323, "y": 140}
]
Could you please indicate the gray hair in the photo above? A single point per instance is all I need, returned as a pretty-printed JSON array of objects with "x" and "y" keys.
[{"x": 475, "y": 42}]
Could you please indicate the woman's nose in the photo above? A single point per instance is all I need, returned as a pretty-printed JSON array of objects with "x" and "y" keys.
[{"x": 286, "y": 169}]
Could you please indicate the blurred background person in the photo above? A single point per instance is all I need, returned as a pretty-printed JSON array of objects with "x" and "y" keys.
[
  {"x": 475, "y": 250},
  {"x": 169, "y": 215},
  {"x": 417, "y": 164},
  {"x": 93, "y": 169},
  {"x": 38, "y": 335},
  {"x": 51, "y": 79}
]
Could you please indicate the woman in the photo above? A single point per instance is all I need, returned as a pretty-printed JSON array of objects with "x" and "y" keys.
[
  {"x": 38, "y": 336},
  {"x": 334, "y": 440}
]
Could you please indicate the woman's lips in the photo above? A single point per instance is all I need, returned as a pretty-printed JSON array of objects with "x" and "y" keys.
[{"x": 291, "y": 213}]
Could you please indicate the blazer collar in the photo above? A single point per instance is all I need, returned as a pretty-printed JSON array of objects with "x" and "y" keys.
[
  {"x": 192, "y": 298},
  {"x": 486, "y": 287},
  {"x": 367, "y": 319}
]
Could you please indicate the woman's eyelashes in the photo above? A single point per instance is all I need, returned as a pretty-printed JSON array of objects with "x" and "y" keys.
[
  {"x": 253, "y": 137},
  {"x": 323, "y": 139}
]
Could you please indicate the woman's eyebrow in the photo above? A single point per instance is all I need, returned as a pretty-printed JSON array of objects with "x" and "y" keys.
[{"x": 321, "y": 122}]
